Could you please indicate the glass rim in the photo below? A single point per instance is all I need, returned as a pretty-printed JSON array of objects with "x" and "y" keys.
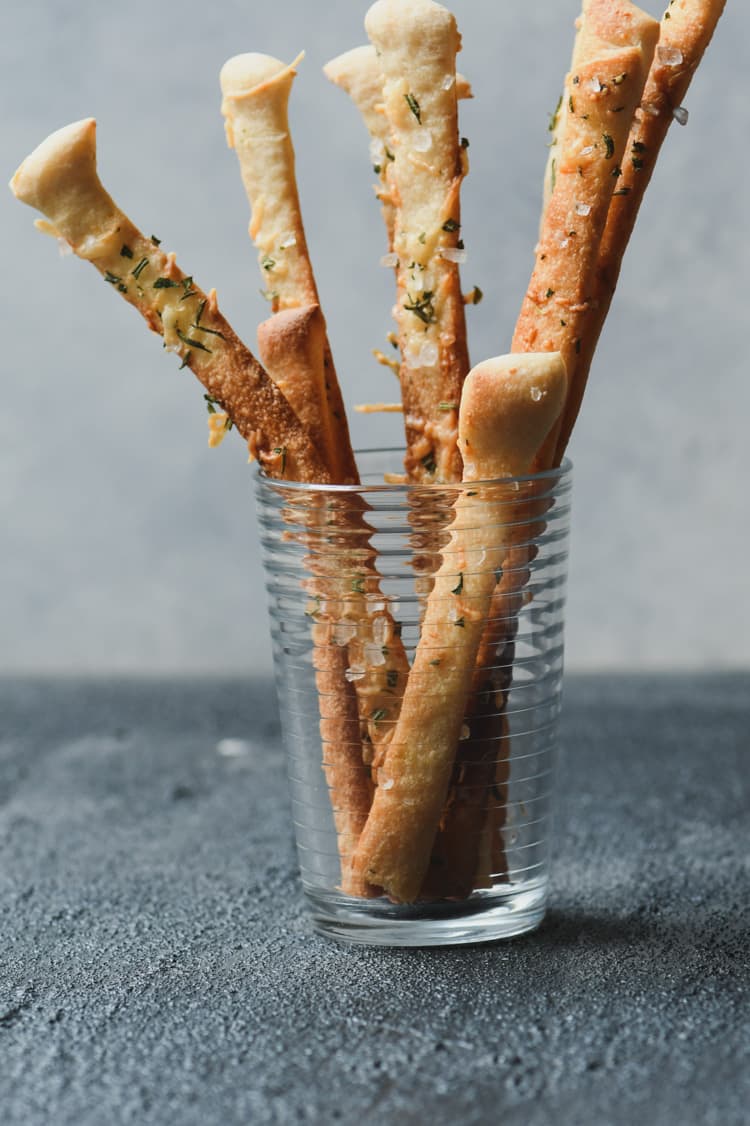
[{"x": 564, "y": 469}]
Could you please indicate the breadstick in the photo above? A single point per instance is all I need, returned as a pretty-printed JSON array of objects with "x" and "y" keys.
[
  {"x": 291, "y": 347},
  {"x": 508, "y": 406},
  {"x": 256, "y": 91},
  {"x": 613, "y": 52},
  {"x": 60, "y": 179},
  {"x": 686, "y": 31},
  {"x": 358, "y": 72},
  {"x": 418, "y": 41}
]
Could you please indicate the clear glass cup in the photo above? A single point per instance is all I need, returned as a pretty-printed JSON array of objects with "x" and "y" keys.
[{"x": 463, "y": 817}]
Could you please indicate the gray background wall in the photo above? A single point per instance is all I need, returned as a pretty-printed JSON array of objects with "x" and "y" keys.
[{"x": 128, "y": 546}]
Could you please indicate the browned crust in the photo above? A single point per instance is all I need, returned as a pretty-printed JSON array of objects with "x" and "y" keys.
[{"x": 687, "y": 27}]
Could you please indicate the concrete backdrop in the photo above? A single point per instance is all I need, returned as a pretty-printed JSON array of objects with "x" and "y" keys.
[{"x": 128, "y": 546}]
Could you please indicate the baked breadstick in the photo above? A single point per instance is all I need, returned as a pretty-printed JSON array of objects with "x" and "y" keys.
[
  {"x": 686, "y": 31},
  {"x": 291, "y": 347},
  {"x": 417, "y": 42},
  {"x": 613, "y": 52},
  {"x": 508, "y": 407},
  {"x": 358, "y": 72},
  {"x": 60, "y": 179},
  {"x": 256, "y": 91}
]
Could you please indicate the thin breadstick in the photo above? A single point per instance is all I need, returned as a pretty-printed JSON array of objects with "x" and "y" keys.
[
  {"x": 358, "y": 72},
  {"x": 685, "y": 32},
  {"x": 418, "y": 41},
  {"x": 256, "y": 91},
  {"x": 508, "y": 406},
  {"x": 291, "y": 347},
  {"x": 613, "y": 52},
  {"x": 60, "y": 179}
]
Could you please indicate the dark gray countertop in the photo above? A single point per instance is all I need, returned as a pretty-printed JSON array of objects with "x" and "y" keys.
[{"x": 156, "y": 966}]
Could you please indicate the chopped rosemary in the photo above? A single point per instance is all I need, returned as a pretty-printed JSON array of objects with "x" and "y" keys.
[
  {"x": 378, "y": 714},
  {"x": 436, "y": 662},
  {"x": 552, "y": 174},
  {"x": 269, "y": 294},
  {"x": 464, "y": 142},
  {"x": 550, "y": 293},
  {"x": 451, "y": 225},
  {"x": 637, "y": 163},
  {"x": 280, "y": 451},
  {"x": 192, "y": 342},
  {"x": 578, "y": 346},
  {"x": 570, "y": 104},
  {"x": 213, "y": 331},
  {"x": 553, "y": 116},
  {"x": 138, "y": 270},
  {"x": 413, "y": 105},
  {"x": 458, "y": 589},
  {"x": 610, "y": 146},
  {"x": 211, "y": 403},
  {"x": 113, "y": 279},
  {"x": 199, "y": 314},
  {"x": 638, "y": 146},
  {"x": 476, "y": 295},
  {"x": 185, "y": 361},
  {"x": 447, "y": 406},
  {"x": 421, "y": 307},
  {"x": 460, "y": 622},
  {"x": 126, "y": 252},
  {"x": 391, "y": 678},
  {"x": 619, "y": 79},
  {"x": 388, "y": 153},
  {"x": 422, "y": 238},
  {"x": 622, "y": 191},
  {"x": 268, "y": 262},
  {"x": 156, "y": 241},
  {"x": 428, "y": 461},
  {"x": 358, "y": 586},
  {"x": 166, "y": 283},
  {"x": 616, "y": 172}
]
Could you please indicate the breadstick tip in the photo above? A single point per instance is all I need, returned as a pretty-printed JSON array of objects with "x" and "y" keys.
[
  {"x": 66, "y": 157},
  {"x": 242, "y": 74},
  {"x": 408, "y": 18},
  {"x": 509, "y": 405}
]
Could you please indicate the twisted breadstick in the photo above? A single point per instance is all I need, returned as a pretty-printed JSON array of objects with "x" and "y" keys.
[
  {"x": 685, "y": 32},
  {"x": 417, "y": 42},
  {"x": 613, "y": 52},
  {"x": 256, "y": 91},
  {"x": 507, "y": 409},
  {"x": 60, "y": 179}
]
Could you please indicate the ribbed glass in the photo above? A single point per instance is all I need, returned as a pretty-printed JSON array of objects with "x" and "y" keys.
[{"x": 352, "y": 587}]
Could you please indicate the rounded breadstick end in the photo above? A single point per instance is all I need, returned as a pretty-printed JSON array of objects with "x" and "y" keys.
[
  {"x": 62, "y": 161},
  {"x": 508, "y": 407},
  {"x": 409, "y": 19},
  {"x": 243, "y": 73}
]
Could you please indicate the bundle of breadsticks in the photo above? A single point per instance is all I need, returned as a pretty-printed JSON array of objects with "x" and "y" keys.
[{"x": 409, "y": 795}]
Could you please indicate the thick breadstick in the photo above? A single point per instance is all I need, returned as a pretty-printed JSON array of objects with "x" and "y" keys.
[
  {"x": 418, "y": 41},
  {"x": 256, "y": 91},
  {"x": 686, "y": 31},
  {"x": 291, "y": 347},
  {"x": 358, "y": 72},
  {"x": 508, "y": 407},
  {"x": 60, "y": 179},
  {"x": 613, "y": 52}
]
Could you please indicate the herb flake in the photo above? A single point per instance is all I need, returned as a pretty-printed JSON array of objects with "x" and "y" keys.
[{"x": 413, "y": 105}]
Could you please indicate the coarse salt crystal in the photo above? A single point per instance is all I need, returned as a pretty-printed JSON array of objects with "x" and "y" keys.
[
  {"x": 537, "y": 394},
  {"x": 376, "y": 605},
  {"x": 64, "y": 247},
  {"x": 454, "y": 254},
  {"x": 377, "y": 151},
  {"x": 344, "y": 632},
  {"x": 449, "y": 82},
  {"x": 670, "y": 56},
  {"x": 583, "y": 209},
  {"x": 587, "y": 150},
  {"x": 374, "y": 654},
  {"x": 651, "y": 110},
  {"x": 595, "y": 85},
  {"x": 563, "y": 243},
  {"x": 428, "y": 354},
  {"x": 465, "y": 733},
  {"x": 423, "y": 141},
  {"x": 680, "y": 114},
  {"x": 389, "y": 260},
  {"x": 387, "y": 785},
  {"x": 288, "y": 242},
  {"x": 354, "y": 672},
  {"x": 380, "y": 631}
]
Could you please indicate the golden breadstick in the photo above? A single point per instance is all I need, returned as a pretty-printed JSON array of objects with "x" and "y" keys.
[
  {"x": 686, "y": 31},
  {"x": 508, "y": 406},
  {"x": 418, "y": 41},
  {"x": 291, "y": 347},
  {"x": 613, "y": 52},
  {"x": 60, "y": 179},
  {"x": 359, "y": 73},
  {"x": 256, "y": 92}
]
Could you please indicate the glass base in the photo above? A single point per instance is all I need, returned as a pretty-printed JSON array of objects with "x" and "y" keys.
[{"x": 487, "y": 916}]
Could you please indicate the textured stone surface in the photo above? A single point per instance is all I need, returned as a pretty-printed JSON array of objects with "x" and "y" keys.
[{"x": 156, "y": 966}]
